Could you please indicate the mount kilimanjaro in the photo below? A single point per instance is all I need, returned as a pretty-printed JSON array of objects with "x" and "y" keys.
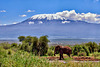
[{"x": 52, "y": 25}]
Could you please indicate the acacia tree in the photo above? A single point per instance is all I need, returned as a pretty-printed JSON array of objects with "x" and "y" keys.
[
  {"x": 43, "y": 45},
  {"x": 35, "y": 48},
  {"x": 28, "y": 39},
  {"x": 21, "y": 38}
]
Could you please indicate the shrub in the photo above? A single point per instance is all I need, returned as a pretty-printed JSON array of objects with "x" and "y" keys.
[
  {"x": 86, "y": 50},
  {"x": 9, "y": 52},
  {"x": 50, "y": 52},
  {"x": 80, "y": 48},
  {"x": 14, "y": 45},
  {"x": 5, "y": 45},
  {"x": 76, "y": 49},
  {"x": 96, "y": 54},
  {"x": 81, "y": 54},
  {"x": 19, "y": 46},
  {"x": 52, "y": 48},
  {"x": 91, "y": 46},
  {"x": 3, "y": 52}
]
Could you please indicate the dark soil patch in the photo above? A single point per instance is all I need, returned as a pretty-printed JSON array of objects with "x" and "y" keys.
[
  {"x": 85, "y": 59},
  {"x": 74, "y": 58},
  {"x": 52, "y": 58}
]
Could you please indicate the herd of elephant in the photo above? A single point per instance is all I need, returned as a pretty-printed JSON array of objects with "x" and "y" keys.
[{"x": 62, "y": 50}]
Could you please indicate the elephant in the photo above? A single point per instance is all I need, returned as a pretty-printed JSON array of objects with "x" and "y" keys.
[{"x": 62, "y": 50}]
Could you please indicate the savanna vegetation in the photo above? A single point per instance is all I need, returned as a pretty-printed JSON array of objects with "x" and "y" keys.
[{"x": 30, "y": 51}]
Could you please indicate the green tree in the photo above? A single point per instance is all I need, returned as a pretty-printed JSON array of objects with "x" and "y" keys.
[
  {"x": 21, "y": 38},
  {"x": 92, "y": 46},
  {"x": 35, "y": 45},
  {"x": 14, "y": 45},
  {"x": 99, "y": 48},
  {"x": 43, "y": 45},
  {"x": 28, "y": 39},
  {"x": 89, "y": 45}
]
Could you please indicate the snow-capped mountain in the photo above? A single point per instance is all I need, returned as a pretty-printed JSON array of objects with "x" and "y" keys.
[
  {"x": 47, "y": 17},
  {"x": 66, "y": 24}
]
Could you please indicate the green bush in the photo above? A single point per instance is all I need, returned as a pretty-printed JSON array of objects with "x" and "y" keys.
[
  {"x": 9, "y": 52},
  {"x": 99, "y": 48},
  {"x": 86, "y": 50},
  {"x": 50, "y": 52},
  {"x": 76, "y": 48},
  {"x": 5, "y": 45},
  {"x": 80, "y": 49},
  {"x": 81, "y": 54},
  {"x": 52, "y": 48},
  {"x": 96, "y": 54},
  {"x": 19, "y": 46},
  {"x": 3, "y": 52},
  {"x": 26, "y": 47},
  {"x": 91, "y": 46},
  {"x": 14, "y": 45}
]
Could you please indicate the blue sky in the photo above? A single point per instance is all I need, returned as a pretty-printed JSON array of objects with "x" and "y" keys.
[{"x": 18, "y": 10}]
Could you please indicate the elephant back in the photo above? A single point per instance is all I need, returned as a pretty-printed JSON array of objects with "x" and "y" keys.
[{"x": 67, "y": 47}]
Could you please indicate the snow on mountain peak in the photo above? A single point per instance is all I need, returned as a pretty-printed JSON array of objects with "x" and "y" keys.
[{"x": 47, "y": 16}]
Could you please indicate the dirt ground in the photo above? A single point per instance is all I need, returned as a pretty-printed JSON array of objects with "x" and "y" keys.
[
  {"x": 74, "y": 58},
  {"x": 85, "y": 59}
]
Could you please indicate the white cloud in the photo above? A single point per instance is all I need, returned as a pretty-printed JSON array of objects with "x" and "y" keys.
[
  {"x": 65, "y": 22},
  {"x": 40, "y": 22},
  {"x": 72, "y": 15},
  {"x": 30, "y": 10},
  {"x": 23, "y": 15},
  {"x": 31, "y": 22},
  {"x": 3, "y": 11}
]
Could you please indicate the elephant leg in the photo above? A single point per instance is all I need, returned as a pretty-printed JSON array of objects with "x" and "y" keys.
[
  {"x": 60, "y": 57},
  {"x": 68, "y": 54}
]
